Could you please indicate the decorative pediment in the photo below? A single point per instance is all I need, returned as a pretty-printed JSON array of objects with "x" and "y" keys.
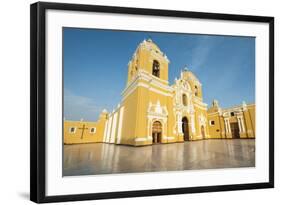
[
  {"x": 182, "y": 85},
  {"x": 236, "y": 111},
  {"x": 157, "y": 109}
]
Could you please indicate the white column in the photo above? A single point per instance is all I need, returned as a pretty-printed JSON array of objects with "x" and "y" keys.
[
  {"x": 226, "y": 125},
  {"x": 239, "y": 124},
  {"x": 229, "y": 129},
  {"x": 113, "y": 130},
  {"x": 192, "y": 124},
  {"x": 108, "y": 129},
  {"x": 242, "y": 123},
  {"x": 179, "y": 124},
  {"x": 165, "y": 127},
  {"x": 105, "y": 131},
  {"x": 120, "y": 125}
]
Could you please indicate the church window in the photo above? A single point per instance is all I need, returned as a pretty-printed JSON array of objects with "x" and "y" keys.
[
  {"x": 184, "y": 100},
  {"x": 156, "y": 68},
  {"x": 196, "y": 90},
  {"x": 212, "y": 122},
  {"x": 93, "y": 130},
  {"x": 72, "y": 130},
  {"x": 232, "y": 114}
]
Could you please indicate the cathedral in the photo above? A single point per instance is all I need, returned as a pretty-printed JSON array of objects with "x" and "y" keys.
[{"x": 154, "y": 112}]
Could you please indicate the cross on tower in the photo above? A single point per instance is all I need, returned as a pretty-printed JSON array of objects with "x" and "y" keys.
[{"x": 83, "y": 128}]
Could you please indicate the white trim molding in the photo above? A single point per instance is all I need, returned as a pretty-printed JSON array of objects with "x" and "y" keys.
[
  {"x": 105, "y": 131},
  {"x": 140, "y": 139},
  {"x": 120, "y": 124},
  {"x": 168, "y": 138}
]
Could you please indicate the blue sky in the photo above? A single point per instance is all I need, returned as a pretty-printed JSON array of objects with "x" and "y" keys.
[{"x": 95, "y": 67}]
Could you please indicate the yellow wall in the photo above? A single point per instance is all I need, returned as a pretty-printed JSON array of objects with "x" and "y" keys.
[
  {"x": 129, "y": 118},
  {"x": 250, "y": 119},
  {"x": 216, "y": 130},
  {"x": 219, "y": 130},
  {"x": 87, "y": 136}
]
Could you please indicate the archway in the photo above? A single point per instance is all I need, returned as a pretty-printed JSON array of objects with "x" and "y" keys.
[
  {"x": 156, "y": 68},
  {"x": 156, "y": 132},
  {"x": 185, "y": 129},
  {"x": 203, "y": 132},
  {"x": 234, "y": 130}
]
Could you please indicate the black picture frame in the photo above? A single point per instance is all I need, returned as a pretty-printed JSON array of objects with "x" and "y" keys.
[{"x": 38, "y": 103}]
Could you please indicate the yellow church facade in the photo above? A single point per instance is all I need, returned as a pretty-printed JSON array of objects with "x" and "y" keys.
[{"x": 152, "y": 111}]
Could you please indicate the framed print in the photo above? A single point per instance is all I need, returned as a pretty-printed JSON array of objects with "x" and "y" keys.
[{"x": 129, "y": 102}]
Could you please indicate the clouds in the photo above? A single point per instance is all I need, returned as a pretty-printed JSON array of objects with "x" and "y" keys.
[
  {"x": 200, "y": 52},
  {"x": 77, "y": 107}
]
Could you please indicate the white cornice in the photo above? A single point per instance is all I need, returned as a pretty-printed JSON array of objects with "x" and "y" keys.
[
  {"x": 150, "y": 81},
  {"x": 198, "y": 101},
  {"x": 140, "y": 139},
  {"x": 159, "y": 55},
  {"x": 201, "y": 107},
  {"x": 148, "y": 76},
  {"x": 213, "y": 114}
]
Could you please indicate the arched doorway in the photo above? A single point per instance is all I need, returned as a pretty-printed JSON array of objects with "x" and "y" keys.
[
  {"x": 185, "y": 128},
  {"x": 203, "y": 132},
  {"x": 234, "y": 130},
  {"x": 156, "y": 132}
]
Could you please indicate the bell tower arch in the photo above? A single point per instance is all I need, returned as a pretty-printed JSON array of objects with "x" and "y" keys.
[
  {"x": 148, "y": 97},
  {"x": 149, "y": 59}
]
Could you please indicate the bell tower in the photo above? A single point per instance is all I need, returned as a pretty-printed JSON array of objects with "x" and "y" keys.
[
  {"x": 149, "y": 59},
  {"x": 147, "y": 97}
]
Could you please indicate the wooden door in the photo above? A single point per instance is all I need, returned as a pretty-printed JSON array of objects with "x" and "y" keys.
[
  {"x": 234, "y": 130},
  {"x": 185, "y": 128},
  {"x": 156, "y": 132},
  {"x": 203, "y": 132}
]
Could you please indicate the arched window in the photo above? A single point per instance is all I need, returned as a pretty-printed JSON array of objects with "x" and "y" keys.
[
  {"x": 184, "y": 100},
  {"x": 156, "y": 68},
  {"x": 196, "y": 90}
]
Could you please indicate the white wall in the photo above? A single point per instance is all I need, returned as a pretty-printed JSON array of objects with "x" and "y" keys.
[{"x": 14, "y": 100}]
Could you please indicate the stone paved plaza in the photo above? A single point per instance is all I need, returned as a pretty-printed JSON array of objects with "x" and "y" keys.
[{"x": 101, "y": 158}]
